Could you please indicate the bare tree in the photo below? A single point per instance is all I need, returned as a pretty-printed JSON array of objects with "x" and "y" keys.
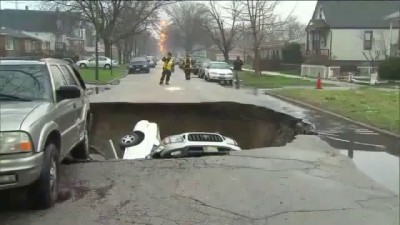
[
  {"x": 293, "y": 29},
  {"x": 185, "y": 29},
  {"x": 223, "y": 29},
  {"x": 114, "y": 20},
  {"x": 262, "y": 23}
]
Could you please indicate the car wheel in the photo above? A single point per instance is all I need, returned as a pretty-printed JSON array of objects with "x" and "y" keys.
[
  {"x": 107, "y": 66},
  {"x": 43, "y": 193},
  {"x": 81, "y": 151},
  {"x": 130, "y": 71},
  {"x": 148, "y": 71},
  {"x": 83, "y": 66},
  {"x": 131, "y": 139},
  {"x": 230, "y": 83}
]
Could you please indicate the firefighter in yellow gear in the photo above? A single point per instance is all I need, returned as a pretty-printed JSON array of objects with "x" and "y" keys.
[
  {"x": 187, "y": 64},
  {"x": 167, "y": 69}
]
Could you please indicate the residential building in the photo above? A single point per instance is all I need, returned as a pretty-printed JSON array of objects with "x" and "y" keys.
[
  {"x": 349, "y": 33},
  {"x": 63, "y": 32},
  {"x": 17, "y": 43}
]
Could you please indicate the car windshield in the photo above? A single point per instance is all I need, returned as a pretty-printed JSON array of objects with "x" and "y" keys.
[
  {"x": 24, "y": 82},
  {"x": 139, "y": 59},
  {"x": 219, "y": 66}
]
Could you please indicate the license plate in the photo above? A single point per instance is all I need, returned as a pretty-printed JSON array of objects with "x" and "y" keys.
[
  {"x": 137, "y": 68},
  {"x": 210, "y": 149}
]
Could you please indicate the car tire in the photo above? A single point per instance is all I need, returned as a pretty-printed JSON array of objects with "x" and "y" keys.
[
  {"x": 82, "y": 66},
  {"x": 107, "y": 66},
  {"x": 43, "y": 193},
  {"x": 130, "y": 72},
  {"x": 131, "y": 139},
  {"x": 82, "y": 150},
  {"x": 147, "y": 71},
  {"x": 230, "y": 83}
]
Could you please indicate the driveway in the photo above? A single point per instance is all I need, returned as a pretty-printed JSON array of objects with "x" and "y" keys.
[{"x": 305, "y": 182}]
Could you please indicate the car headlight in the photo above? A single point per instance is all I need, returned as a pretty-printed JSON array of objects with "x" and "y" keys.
[
  {"x": 15, "y": 142},
  {"x": 173, "y": 139}
]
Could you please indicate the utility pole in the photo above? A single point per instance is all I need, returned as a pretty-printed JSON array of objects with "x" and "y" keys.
[{"x": 97, "y": 43}]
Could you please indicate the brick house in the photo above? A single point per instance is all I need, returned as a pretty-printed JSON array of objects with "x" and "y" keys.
[
  {"x": 16, "y": 43},
  {"x": 60, "y": 32}
]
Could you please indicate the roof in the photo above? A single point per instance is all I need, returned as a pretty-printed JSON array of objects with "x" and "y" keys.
[
  {"x": 36, "y": 21},
  {"x": 393, "y": 16},
  {"x": 15, "y": 33},
  {"x": 357, "y": 14}
]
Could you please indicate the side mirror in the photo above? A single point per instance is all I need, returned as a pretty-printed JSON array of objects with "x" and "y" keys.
[{"x": 68, "y": 92}]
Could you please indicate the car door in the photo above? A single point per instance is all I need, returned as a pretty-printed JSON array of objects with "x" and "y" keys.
[
  {"x": 92, "y": 62},
  {"x": 102, "y": 61},
  {"x": 65, "y": 113},
  {"x": 79, "y": 103}
]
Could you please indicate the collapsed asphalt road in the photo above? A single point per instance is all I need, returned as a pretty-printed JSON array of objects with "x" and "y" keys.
[
  {"x": 304, "y": 182},
  {"x": 251, "y": 126}
]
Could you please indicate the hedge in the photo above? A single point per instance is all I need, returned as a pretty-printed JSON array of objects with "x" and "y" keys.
[{"x": 389, "y": 69}]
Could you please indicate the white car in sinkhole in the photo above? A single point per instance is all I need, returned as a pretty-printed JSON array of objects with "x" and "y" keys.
[{"x": 144, "y": 142}]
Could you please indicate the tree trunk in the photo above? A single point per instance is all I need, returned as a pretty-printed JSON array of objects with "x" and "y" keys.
[
  {"x": 107, "y": 47},
  {"x": 257, "y": 65},
  {"x": 226, "y": 56}
]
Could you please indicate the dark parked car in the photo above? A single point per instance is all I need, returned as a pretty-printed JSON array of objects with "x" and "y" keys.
[{"x": 139, "y": 64}]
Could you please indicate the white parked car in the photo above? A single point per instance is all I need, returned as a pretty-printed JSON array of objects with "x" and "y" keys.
[
  {"x": 144, "y": 142},
  {"x": 219, "y": 71},
  {"x": 104, "y": 62}
]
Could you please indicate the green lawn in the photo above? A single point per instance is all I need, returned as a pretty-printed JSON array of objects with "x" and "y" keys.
[
  {"x": 375, "y": 107},
  {"x": 265, "y": 81},
  {"x": 89, "y": 74}
]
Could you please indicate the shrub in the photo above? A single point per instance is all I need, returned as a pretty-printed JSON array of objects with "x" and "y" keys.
[
  {"x": 389, "y": 69},
  {"x": 291, "y": 53}
]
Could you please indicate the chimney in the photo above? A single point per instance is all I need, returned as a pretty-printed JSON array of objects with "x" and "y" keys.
[{"x": 26, "y": 7}]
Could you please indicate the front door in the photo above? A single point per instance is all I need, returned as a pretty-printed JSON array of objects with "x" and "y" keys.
[
  {"x": 65, "y": 113},
  {"x": 316, "y": 42}
]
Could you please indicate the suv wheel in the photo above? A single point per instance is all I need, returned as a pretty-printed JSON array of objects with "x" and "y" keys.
[
  {"x": 131, "y": 139},
  {"x": 43, "y": 193},
  {"x": 82, "y": 65},
  {"x": 107, "y": 66},
  {"x": 81, "y": 151}
]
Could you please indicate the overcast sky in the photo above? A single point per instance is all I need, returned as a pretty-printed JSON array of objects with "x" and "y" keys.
[{"x": 302, "y": 9}]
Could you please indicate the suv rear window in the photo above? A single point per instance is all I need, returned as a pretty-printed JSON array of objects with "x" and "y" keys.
[{"x": 30, "y": 82}]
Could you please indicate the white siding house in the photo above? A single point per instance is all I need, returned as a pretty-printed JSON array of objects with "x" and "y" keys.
[{"x": 350, "y": 33}]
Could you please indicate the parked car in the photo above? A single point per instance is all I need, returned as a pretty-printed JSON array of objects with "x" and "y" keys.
[
  {"x": 219, "y": 71},
  {"x": 144, "y": 142},
  {"x": 139, "y": 64},
  {"x": 197, "y": 63},
  {"x": 203, "y": 67},
  {"x": 152, "y": 61},
  {"x": 45, "y": 116},
  {"x": 104, "y": 62}
]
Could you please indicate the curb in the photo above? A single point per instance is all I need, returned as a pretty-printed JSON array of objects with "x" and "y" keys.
[
  {"x": 293, "y": 101},
  {"x": 109, "y": 82}
]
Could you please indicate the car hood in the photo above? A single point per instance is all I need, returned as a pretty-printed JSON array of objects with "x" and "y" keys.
[
  {"x": 13, "y": 113},
  {"x": 220, "y": 71}
]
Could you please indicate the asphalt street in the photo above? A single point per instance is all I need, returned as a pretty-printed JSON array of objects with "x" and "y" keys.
[
  {"x": 304, "y": 182},
  {"x": 352, "y": 140}
]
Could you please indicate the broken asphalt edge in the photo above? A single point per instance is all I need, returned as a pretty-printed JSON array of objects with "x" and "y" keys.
[{"x": 303, "y": 104}]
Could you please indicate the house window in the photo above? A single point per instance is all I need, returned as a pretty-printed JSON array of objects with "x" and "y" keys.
[
  {"x": 320, "y": 13},
  {"x": 368, "y": 40},
  {"x": 9, "y": 44}
]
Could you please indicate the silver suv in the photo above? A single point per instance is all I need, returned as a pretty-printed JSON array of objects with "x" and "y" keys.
[{"x": 45, "y": 116}]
